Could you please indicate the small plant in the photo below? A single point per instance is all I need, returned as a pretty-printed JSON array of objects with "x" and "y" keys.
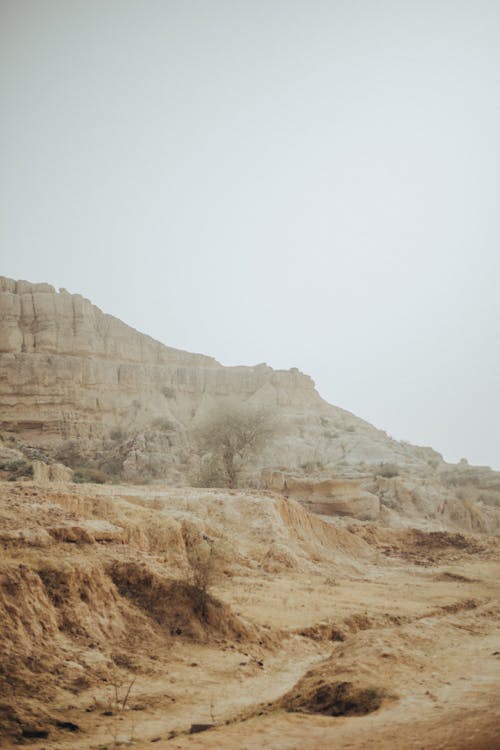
[
  {"x": 117, "y": 705},
  {"x": 204, "y": 558},
  {"x": 168, "y": 392},
  {"x": 387, "y": 471},
  {"x": 309, "y": 467},
  {"x": 202, "y": 572},
  {"x": 17, "y": 469},
  {"x": 84, "y": 475},
  {"x": 329, "y": 581},
  {"x": 210, "y": 473},
  {"x": 118, "y": 434},
  {"x": 163, "y": 424},
  {"x": 121, "y": 702}
]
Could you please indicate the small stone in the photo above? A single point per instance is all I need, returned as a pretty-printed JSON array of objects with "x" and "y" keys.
[{"x": 195, "y": 728}]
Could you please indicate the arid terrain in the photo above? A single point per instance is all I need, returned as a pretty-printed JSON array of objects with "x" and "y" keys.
[
  {"x": 317, "y": 585},
  {"x": 312, "y": 633}
]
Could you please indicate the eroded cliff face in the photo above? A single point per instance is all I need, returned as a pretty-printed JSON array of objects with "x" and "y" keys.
[
  {"x": 37, "y": 319},
  {"x": 70, "y": 371}
]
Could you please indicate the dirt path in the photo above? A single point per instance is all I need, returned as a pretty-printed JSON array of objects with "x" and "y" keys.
[
  {"x": 420, "y": 635},
  {"x": 463, "y": 718},
  {"x": 439, "y": 663}
]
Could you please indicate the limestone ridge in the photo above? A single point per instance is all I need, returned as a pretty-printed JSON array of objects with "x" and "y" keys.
[
  {"x": 70, "y": 371},
  {"x": 37, "y": 319}
]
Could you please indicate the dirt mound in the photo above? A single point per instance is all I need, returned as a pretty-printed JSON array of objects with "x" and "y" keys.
[
  {"x": 332, "y": 699},
  {"x": 339, "y": 630},
  {"x": 440, "y": 539},
  {"x": 425, "y": 547}
]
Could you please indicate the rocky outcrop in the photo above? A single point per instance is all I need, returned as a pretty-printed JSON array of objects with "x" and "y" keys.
[
  {"x": 43, "y": 472},
  {"x": 332, "y": 496},
  {"x": 427, "y": 502}
]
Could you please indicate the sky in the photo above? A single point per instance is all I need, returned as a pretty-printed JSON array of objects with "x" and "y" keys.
[{"x": 306, "y": 183}]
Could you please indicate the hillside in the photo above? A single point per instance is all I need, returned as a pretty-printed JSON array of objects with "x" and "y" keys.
[
  {"x": 345, "y": 593},
  {"x": 71, "y": 371},
  {"x": 81, "y": 388}
]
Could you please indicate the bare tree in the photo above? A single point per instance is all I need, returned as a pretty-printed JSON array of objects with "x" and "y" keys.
[{"x": 232, "y": 435}]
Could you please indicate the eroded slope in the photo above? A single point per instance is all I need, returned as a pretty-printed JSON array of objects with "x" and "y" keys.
[{"x": 308, "y": 631}]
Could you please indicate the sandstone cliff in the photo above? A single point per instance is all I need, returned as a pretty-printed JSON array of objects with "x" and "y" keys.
[{"x": 70, "y": 371}]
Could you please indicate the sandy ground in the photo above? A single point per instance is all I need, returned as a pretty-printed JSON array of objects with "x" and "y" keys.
[{"x": 418, "y": 624}]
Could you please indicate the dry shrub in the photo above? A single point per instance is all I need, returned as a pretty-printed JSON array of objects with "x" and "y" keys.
[
  {"x": 387, "y": 470},
  {"x": 13, "y": 470}
]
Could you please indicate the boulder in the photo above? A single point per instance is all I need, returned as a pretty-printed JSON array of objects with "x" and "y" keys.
[{"x": 43, "y": 472}]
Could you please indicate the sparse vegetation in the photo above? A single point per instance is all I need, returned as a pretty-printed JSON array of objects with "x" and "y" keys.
[
  {"x": 16, "y": 469},
  {"x": 84, "y": 474},
  {"x": 121, "y": 689},
  {"x": 309, "y": 467},
  {"x": 205, "y": 570},
  {"x": 70, "y": 453},
  {"x": 387, "y": 470},
  {"x": 210, "y": 473},
  {"x": 164, "y": 424},
  {"x": 490, "y": 498},
  {"x": 118, "y": 434},
  {"x": 168, "y": 392}
]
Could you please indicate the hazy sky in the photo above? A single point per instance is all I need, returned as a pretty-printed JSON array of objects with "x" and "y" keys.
[{"x": 310, "y": 184}]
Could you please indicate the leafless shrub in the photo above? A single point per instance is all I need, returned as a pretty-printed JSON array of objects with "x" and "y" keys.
[
  {"x": 229, "y": 437},
  {"x": 204, "y": 560}
]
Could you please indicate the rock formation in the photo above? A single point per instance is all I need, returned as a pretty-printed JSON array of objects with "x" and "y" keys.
[
  {"x": 71, "y": 371},
  {"x": 81, "y": 388}
]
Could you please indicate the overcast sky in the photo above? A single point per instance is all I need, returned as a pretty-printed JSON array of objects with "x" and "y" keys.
[{"x": 309, "y": 184}]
